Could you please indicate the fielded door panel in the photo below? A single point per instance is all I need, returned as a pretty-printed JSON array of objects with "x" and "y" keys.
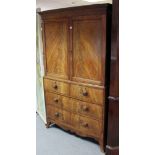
[
  {"x": 88, "y": 52},
  {"x": 56, "y": 48}
]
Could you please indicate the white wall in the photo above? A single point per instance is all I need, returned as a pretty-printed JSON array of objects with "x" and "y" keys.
[{"x": 55, "y": 4}]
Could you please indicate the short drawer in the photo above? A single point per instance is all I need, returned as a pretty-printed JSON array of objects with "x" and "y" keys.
[
  {"x": 59, "y": 101},
  {"x": 58, "y": 114},
  {"x": 91, "y": 110},
  {"x": 88, "y": 94},
  {"x": 85, "y": 108},
  {"x": 54, "y": 113},
  {"x": 53, "y": 99},
  {"x": 89, "y": 126},
  {"x": 56, "y": 86}
]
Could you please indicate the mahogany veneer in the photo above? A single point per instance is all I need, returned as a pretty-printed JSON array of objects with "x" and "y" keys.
[{"x": 76, "y": 48}]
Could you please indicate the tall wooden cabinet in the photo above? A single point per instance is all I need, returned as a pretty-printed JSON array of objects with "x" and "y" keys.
[{"x": 76, "y": 58}]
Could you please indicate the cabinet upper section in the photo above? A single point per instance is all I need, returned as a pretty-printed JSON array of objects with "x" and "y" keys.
[
  {"x": 97, "y": 9},
  {"x": 76, "y": 43}
]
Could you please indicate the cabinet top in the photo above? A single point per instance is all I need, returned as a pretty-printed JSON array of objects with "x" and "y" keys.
[{"x": 79, "y": 10}]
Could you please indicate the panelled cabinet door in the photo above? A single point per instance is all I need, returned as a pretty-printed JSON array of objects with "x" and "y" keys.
[
  {"x": 88, "y": 52},
  {"x": 56, "y": 48}
]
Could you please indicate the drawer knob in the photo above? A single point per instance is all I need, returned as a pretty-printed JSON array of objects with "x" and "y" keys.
[
  {"x": 85, "y": 108},
  {"x": 84, "y": 92},
  {"x": 56, "y": 100},
  {"x": 85, "y": 125},
  {"x": 57, "y": 114},
  {"x": 55, "y": 86}
]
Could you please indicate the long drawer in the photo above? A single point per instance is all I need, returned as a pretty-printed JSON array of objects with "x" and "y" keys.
[
  {"x": 84, "y": 93},
  {"x": 77, "y": 106},
  {"x": 87, "y": 126}
]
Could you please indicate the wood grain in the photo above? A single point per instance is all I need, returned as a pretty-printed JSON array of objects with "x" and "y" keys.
[
  {"x": 75, "y": 57},
  {"x": 56, "y": 47},
  {"x": 53, "y": 99},
  {"x": 84, "y": 108},
  {"x": 87, "y": 51},
  {"x": 90, "y": 126},
  {"x": 56, "y": 86},
  {"x": 54, "y": 113},
  {"x": 91, "y": 110},
  {"x": 85, "y": 125},
  {"x": 93, "y": 95}
]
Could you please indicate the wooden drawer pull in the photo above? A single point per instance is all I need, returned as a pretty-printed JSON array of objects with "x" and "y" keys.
[
  {"x": 84, "y": 92},
  {"x": 57, "y": 114},
  {"x": 56, "y": 100},
  {"x": 84, "y": 125},
  {"x": 85, "y": 108},
  {"x": 55, "y": 86}
]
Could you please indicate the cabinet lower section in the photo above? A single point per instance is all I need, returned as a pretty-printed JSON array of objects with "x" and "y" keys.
[
  {"x": 77, "y": 108},
  {"x": 75, "y": 123}
]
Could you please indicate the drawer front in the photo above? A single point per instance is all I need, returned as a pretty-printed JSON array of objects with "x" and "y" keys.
[
  {"x": 91, "y": 110},
  {"x": 66, "y": 117},
  {"x": 56, "y": 86},
  {"x": 75, "y": 120},
  {"x": 53, "y": 99},
  {"x": 58, "y": 114},
  {"x": 66, "y": 103},
  {"x": 88, "y": 109},
  {"x": 89, "y": 126},
  {"x": 60, "y": 101},
  {"x": 54, "y": 113},
  {"x": 74, "y": 105},
  {"x": 88, "y": 94}
]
